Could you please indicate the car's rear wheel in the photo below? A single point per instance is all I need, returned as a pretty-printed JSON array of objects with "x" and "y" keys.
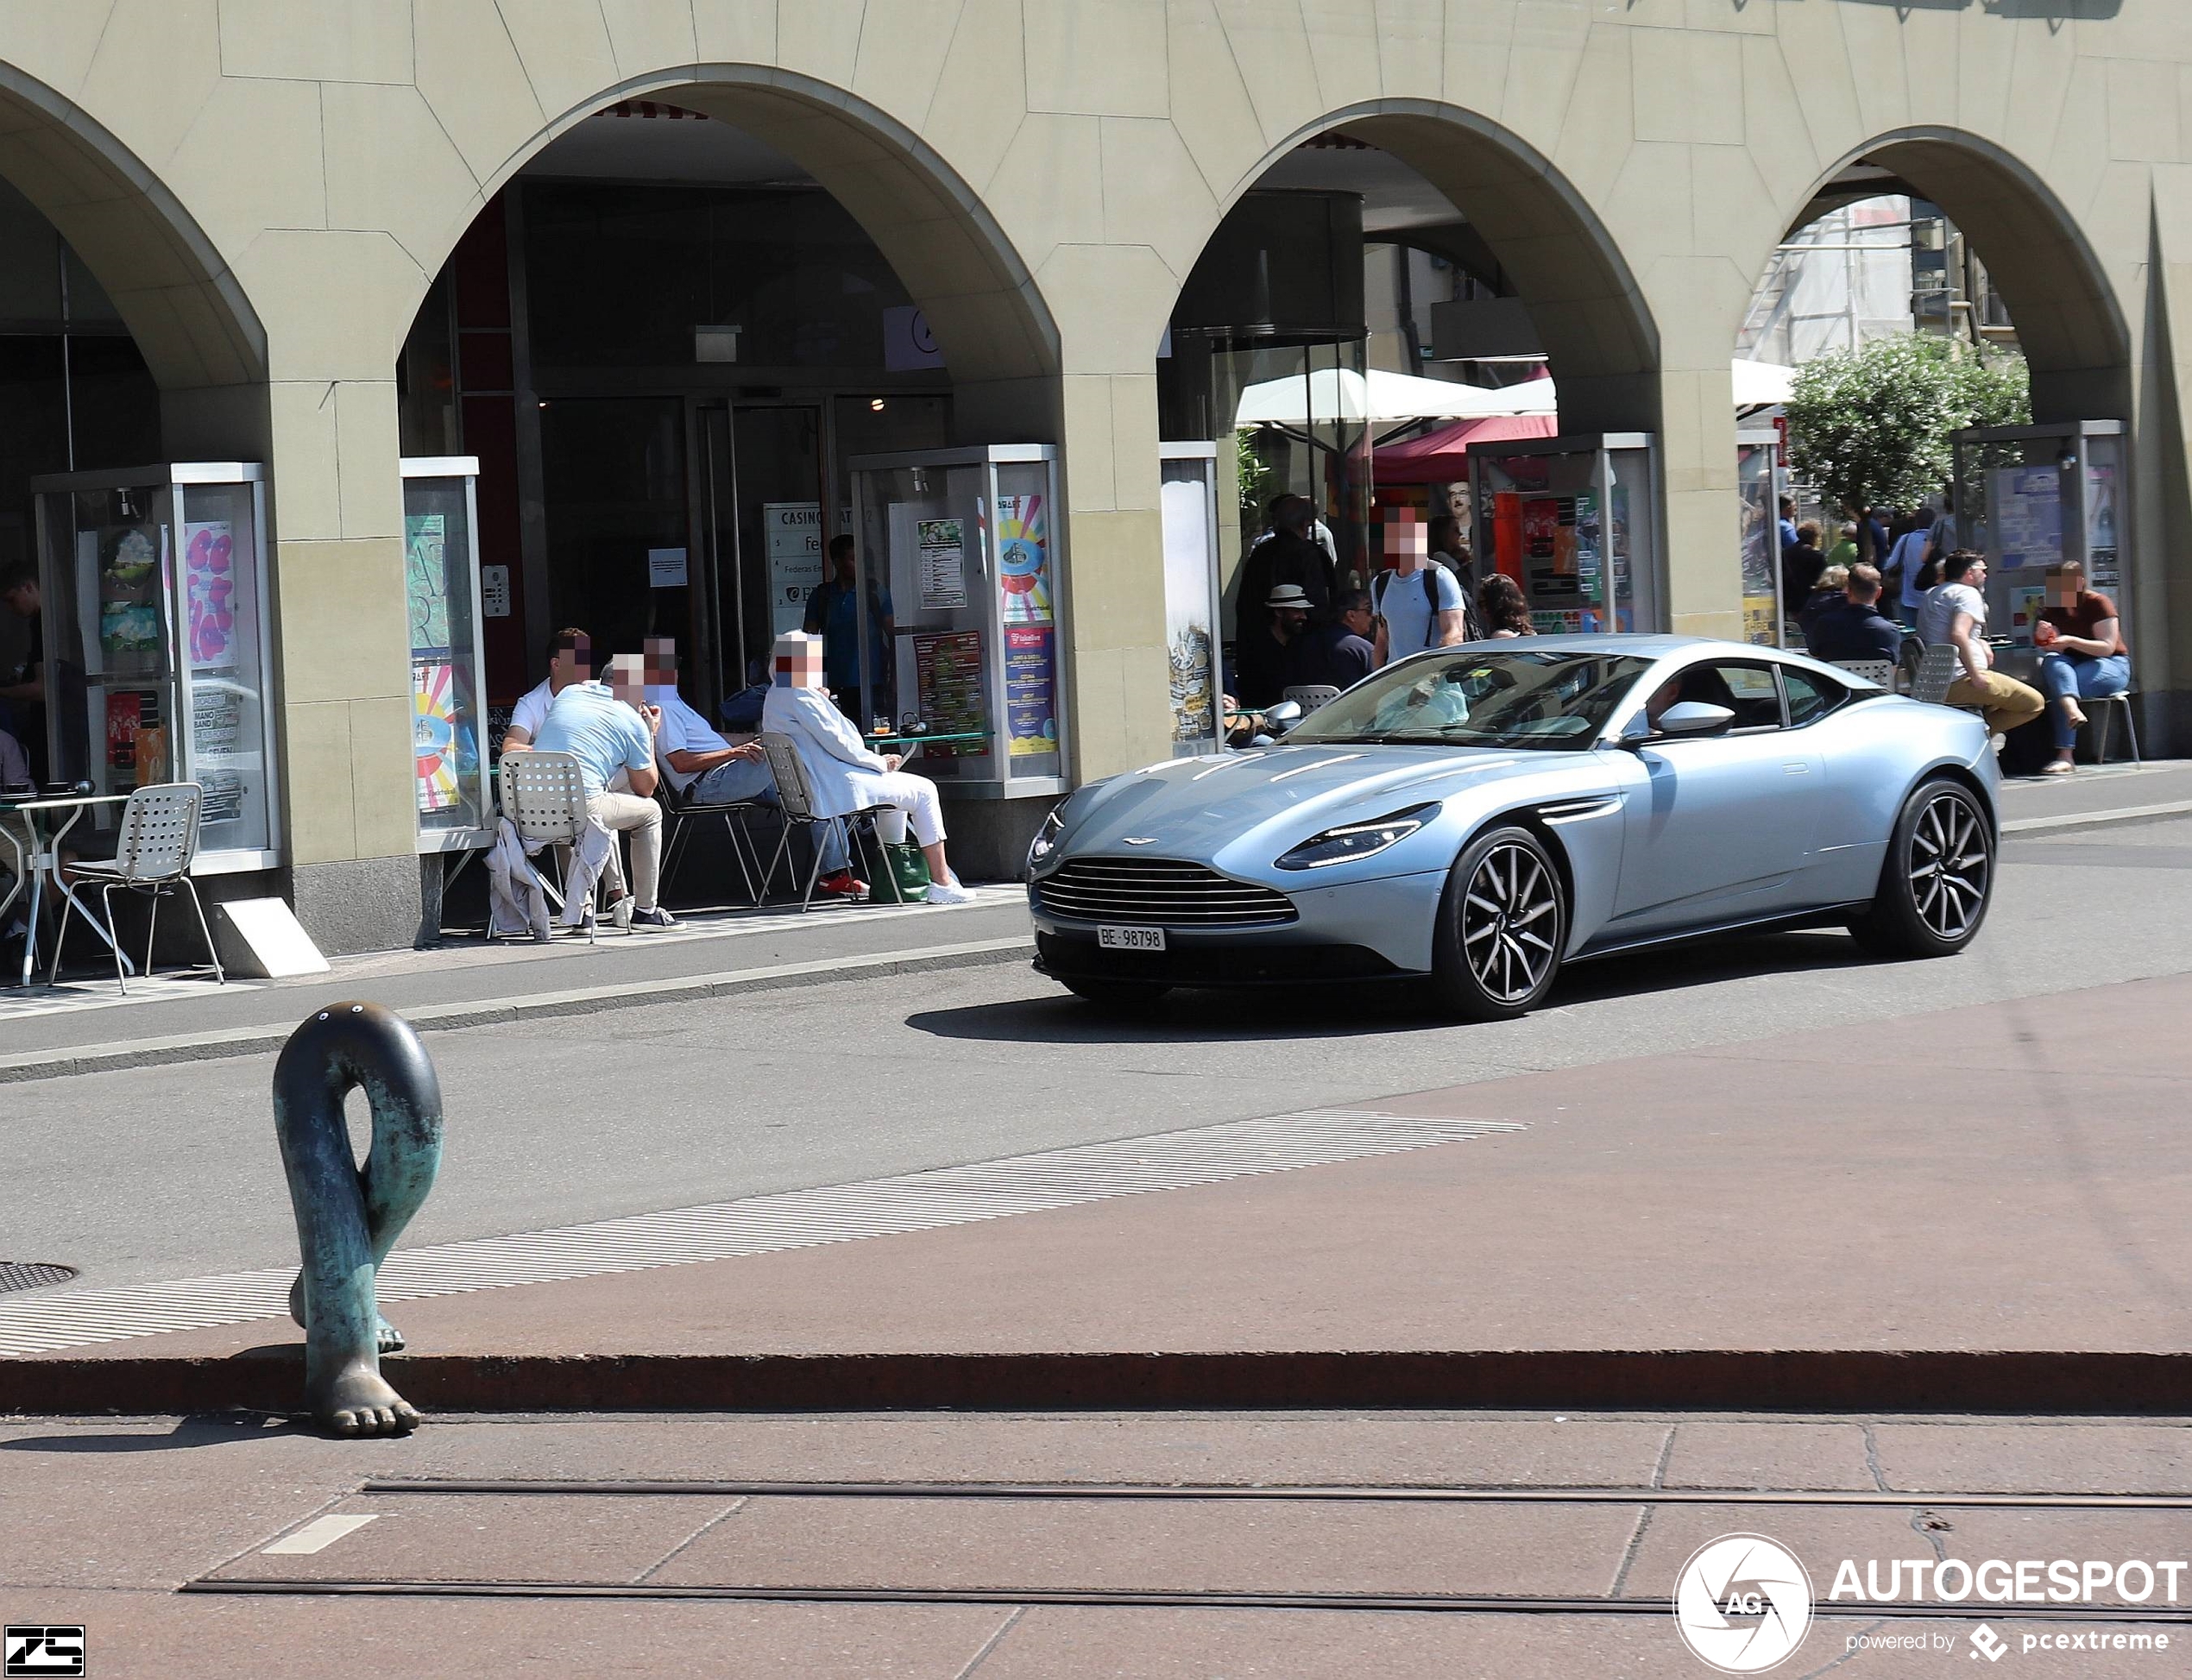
[
  {"x": 1502, "y": 925},
  {"x": 1122, "y": 996},
  {"x": 1937, "y": 878}
]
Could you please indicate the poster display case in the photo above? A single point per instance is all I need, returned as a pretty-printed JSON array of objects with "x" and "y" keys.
[
  {"x": 1575, "y": 522},
  {"x": 152, "y": 583},
  {"x": 1758, "y": 479},
  {"x": 957, "y": 648},
  {"x": 1189, "y": 504},
  {"x": 441, "y": 575},
  {"x": 2031, "y": 497}
]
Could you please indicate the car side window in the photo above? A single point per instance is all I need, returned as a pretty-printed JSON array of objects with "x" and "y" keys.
[
  {"x": 1750, "y": 691},
  {"x": 1810, "y": 696}
]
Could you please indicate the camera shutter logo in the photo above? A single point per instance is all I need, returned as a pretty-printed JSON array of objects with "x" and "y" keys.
[
  {"x": 1743, "y": 1603},
  {"x": 43, "y": 1651}
]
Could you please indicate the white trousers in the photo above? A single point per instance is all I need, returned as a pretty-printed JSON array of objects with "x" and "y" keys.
[
  {"x": 628, "y": 814},
  {"x": 911, "y": 797}
]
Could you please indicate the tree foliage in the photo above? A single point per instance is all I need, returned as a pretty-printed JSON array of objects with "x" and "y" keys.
[{"x": 1871, "y": 429}]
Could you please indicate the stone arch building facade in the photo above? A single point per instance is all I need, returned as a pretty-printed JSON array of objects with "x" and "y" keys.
[{"x": 268, "y": 187}]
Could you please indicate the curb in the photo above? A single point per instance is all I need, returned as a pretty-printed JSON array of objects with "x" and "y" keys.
[
  {"x": 494, "y": 1012},
  {"x": 2025, "y": 825},
  {"x": 1800, "y": 1381}
]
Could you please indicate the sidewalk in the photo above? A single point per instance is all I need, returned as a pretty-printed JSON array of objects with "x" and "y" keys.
[
  {"x": 1610, "y": 1235},
  {"x": 467, "y": 982}
]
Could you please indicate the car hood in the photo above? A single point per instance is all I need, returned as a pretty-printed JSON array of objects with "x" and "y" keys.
[{"x": 1198, "y": 807}]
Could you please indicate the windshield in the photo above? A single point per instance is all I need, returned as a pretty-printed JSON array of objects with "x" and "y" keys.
[{"x": 1476, "y": 696}]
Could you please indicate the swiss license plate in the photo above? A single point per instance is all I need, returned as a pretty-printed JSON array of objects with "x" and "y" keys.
[{"x": 1130, "y": 939}]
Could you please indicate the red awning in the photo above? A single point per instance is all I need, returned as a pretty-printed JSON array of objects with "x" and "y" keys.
[{"x": 1442, "y": 457}]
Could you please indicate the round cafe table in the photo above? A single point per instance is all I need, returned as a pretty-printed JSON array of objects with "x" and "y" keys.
[{"x": 34, "y": 825}]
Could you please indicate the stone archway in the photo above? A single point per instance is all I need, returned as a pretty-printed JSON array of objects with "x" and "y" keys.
[
  {"x": 2069, "y": 320},
  {"x": 197, "y": 331},
  {"x": 980, "y": 300}
]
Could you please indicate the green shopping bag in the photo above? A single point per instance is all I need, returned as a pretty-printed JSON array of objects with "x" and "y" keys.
[{"x": 902, "y": 876}]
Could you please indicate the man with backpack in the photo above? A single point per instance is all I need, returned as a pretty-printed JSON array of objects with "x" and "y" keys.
[{"x": 1419, "y": 603}]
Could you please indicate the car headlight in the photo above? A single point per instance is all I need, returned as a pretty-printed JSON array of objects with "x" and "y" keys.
[
  {"x": 1358, "y": 839},
  {"x": 1047, "y": 837}
]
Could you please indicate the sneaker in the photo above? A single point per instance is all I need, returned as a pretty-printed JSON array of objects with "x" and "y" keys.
[
  {"x": 843, "y": 885},
  {"x": 657, "y": 917},
  {"x": 948, "y": 892}
]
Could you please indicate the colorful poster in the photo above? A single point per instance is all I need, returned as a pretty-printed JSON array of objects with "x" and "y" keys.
[
  {"x": 435, "y": 734},
  {"x": 1023, "y": 558},
  {"x": 425, "y": 582},
  {"x": 1031, "y": 688},
  {"x": 209, "y": 572},
  {"x": 941, "y": 544},
  {"x": 2027, "y": 602}
]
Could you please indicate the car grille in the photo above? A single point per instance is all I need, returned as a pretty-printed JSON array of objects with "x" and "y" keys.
[{"x": 1158, "y": 890}]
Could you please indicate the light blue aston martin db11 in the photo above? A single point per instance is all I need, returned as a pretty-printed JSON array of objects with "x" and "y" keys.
[{"x": 1480, "y": 815}]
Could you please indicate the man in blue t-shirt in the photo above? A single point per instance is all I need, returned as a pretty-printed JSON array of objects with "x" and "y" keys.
[
  {"x": 833, "y": 614},
  {"x": 610, "y": 729}
]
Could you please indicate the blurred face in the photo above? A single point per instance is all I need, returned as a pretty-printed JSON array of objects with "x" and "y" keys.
[
  {"x": 659, "y": 662},
  {"x": 801, "y": 669},
  {"x": 624, "y": 680},
  {"x": 2062, "y": 588},
  {"x": 571, "y": 664}
]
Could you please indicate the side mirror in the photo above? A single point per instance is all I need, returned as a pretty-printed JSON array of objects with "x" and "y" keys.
[
  {"x": 1283, "y": 716},
  {"x": 1695, "y": 717}
]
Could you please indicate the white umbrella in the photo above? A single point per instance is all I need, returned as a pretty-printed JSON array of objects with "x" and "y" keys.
[{"x": 1384, "y": 398}]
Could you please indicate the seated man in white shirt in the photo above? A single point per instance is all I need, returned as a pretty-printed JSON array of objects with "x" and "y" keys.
[
  {"x": 610, "y": 728},
  {"x": 1955, "y": 611},
  {"x": 842, "y": 775},
  {"x": 570, "y": 659},
  {"x": 708, "y": 768}
]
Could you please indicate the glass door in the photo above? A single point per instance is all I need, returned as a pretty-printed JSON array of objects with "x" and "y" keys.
[
  {"x": 618, "y": 519},
  {"x": 776, "y": 481}
]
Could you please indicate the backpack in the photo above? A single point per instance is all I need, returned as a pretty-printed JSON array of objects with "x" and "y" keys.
[{"x": 1430, "y": 576}]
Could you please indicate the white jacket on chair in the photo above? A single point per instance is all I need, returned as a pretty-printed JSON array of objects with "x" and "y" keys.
[{"x": 836, "y": 760}]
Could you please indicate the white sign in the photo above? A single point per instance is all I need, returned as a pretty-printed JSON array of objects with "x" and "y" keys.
[
  {"x": 792, "y": 532},
  {"x": 908, "y": 345},
  {"x": 495, "y": 591},
  {"x": 666, "y": 568}
]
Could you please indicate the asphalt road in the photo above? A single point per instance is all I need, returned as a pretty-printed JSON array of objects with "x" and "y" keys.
[{"x": 172, "y": 1172}]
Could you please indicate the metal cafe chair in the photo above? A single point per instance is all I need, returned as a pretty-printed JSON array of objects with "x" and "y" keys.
[
  {"x": 681, "y": 812},
  {"x": 2101, "y": 719},
  {"x": 544, "y": 794},
  {"x": 1310, "y": 695},
  {"x": 1936, "y": 674},
  {"x": 795, "y": 801},
  {"x": 152, "y": 855},
  {"x": 1880, "y": 673}
]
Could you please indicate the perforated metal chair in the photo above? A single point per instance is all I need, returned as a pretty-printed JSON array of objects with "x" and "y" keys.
[
  {"x": 1880, "y": 673},
  {"x": 1936, "y": 673},
  {"x": 680, "y": 812},
  {"x": 795, "y": 801},
  {"x": 1310, "y": 695},
  {"x": 544, "y": 794},
  {"x": 152, "y": 855}
]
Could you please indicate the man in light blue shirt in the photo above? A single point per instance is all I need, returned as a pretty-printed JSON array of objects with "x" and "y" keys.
[{"x": 610, "y": 729}]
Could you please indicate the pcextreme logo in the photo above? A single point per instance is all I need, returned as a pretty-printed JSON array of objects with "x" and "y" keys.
[{"x": 1743, "y": 1603}]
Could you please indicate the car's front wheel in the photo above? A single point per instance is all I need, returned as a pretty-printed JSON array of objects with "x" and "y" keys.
[
  {"x": 1937, "y": 878},
  {"x": 1502, "y": 924}
]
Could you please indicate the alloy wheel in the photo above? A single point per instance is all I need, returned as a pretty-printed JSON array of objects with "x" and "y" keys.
[
  {"x": 1509, "y": 918},
  {"x": 1949, "y": 867}
]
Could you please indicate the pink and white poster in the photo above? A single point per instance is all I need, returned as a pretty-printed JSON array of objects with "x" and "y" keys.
[{"x": 209, "y": 573}]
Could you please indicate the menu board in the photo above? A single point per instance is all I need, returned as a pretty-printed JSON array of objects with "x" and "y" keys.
[
  {"x": 941, "y": 548},
  {"x": 947, "y": 682}
]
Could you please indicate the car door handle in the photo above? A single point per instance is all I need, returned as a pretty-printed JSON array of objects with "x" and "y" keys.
[{"x": 1796, "y": 770}]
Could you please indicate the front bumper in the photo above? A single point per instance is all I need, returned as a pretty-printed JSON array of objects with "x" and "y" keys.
[{"x": 1351, "y": 930}]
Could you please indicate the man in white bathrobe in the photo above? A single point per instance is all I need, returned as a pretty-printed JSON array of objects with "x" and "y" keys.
[{"x": 842, "y": 774}]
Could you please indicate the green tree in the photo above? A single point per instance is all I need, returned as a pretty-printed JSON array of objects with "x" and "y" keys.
[{"x": 1871, "y": 429}]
